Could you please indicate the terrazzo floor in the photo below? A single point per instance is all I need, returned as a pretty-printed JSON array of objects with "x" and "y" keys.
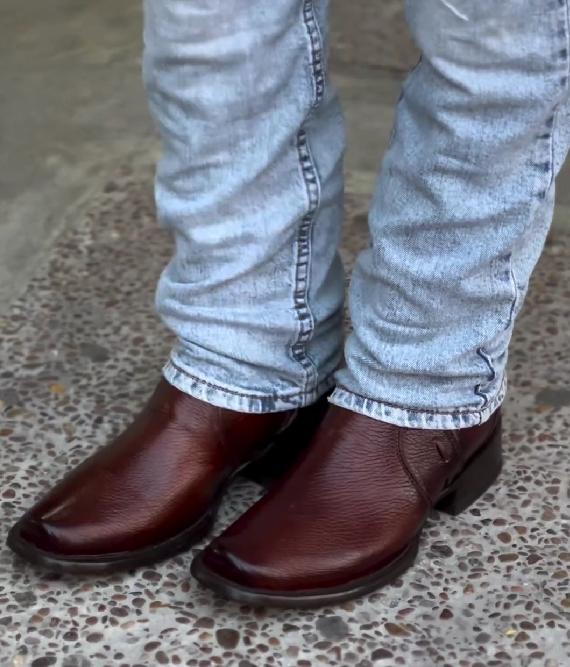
[{"x": 81, "y": 350}]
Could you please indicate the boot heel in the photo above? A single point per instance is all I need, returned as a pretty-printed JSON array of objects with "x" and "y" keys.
[
  {"x": 287, "y": 447},
  {"x": 475, "y": 479}
]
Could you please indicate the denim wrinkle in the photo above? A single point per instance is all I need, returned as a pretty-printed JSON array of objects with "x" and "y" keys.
[
  {"x": 460, "y": 214},
  {"x": 250, "y": 184}
]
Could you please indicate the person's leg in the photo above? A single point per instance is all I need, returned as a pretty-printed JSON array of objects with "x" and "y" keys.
[
  {"x": 463, "y": 204},
  {"x": 250, "y": 183}
]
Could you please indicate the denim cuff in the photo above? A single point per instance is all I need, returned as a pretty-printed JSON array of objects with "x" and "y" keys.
[
  {"x": 234, "y": 398},
  {"x": 439, "y": 419}
]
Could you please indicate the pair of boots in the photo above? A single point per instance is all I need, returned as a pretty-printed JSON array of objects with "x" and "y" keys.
[{"x": 343, "y": 519}]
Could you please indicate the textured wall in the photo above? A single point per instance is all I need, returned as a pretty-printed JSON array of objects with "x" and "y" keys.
[{"x": 371, "y": 32}]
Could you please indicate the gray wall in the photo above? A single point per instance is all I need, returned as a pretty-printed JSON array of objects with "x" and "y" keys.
[{"x": 372, "y": 33}]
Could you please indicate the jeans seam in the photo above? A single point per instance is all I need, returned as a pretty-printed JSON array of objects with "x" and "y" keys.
[
  {"x": 482, "y": 352},
  {"x": 565, "y": 82},
  {"x": 427, "y": 411},
  {"x": 516, "y": 293},
  {"x": 567, "y": 26},
  {"x": 310, "y": 176},
  {"x": 565, "y": 31},
  {"x": 315, "y": 41},
  {"x": 546, "y": 166}
]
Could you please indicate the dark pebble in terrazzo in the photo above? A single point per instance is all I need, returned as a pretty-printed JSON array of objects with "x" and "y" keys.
[
  {"x": 120, "y": 611},
  {"x": 332, "y": 627},
  {"x": 151, "y": 646},
  {"x": 94, "y": 352},
  {"x": 533, "y": 558},
  {"x": 76, "y": 661},
  {"x": 227, "y": 638},
  {"x": 9, "y": 397},
  {"x": 161, "y": 658},
  {"x": 442, "y": 550},
  {"x": 44, "y": 662},
  {"x": 508, "y": 558},
  {"x": 557, "y": 398},
  {"x": 381, "y": 654},
  {"x": 289, "y": 627},
  {"x": 25, "y": 599}
]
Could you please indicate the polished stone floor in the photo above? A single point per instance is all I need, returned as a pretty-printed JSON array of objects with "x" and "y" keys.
[{"x": 81, "y": 348}]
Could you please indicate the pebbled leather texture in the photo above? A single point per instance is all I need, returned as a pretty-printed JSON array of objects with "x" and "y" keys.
[
  {"x": 355, "y": 500},
  {"x": 159, "y": 476}
]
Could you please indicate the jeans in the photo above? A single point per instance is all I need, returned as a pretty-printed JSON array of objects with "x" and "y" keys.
[{"x": 251, "y": 185}]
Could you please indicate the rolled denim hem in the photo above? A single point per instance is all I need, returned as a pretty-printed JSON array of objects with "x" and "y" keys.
[
  {"x": 233, "y": 398},
  {"x": 422, "y": 419}
]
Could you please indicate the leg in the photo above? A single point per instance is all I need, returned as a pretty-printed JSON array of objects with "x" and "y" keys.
[
  {"x": 463, "y": 205},
  {"x": 250, "y": 184}
]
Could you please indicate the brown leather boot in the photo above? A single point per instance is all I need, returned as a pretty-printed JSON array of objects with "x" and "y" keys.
[
  {"x": 154, "y": 491},
  {"x": 347, "y": 517}
]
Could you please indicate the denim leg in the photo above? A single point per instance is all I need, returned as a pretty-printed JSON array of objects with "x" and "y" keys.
[
  {"x": 461, "y": 212},
  {"x": 250, "y": 184}
]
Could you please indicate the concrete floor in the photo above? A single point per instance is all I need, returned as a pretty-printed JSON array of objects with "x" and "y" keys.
[{"x": 71, "y": 109}]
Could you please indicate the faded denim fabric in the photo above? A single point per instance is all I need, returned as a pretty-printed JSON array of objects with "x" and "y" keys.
[{"x": 251, "y": 185}]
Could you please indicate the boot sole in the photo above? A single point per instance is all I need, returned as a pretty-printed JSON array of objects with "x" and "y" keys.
[
  {"x": 120, "y": 561},
  {"x": 478, "y": 475},
  {"x": 109, "y": 563},
  {"x": 304, "y": 599}
]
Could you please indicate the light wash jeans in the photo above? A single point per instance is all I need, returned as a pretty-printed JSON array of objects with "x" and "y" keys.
[{"x": 251, "y": 185}]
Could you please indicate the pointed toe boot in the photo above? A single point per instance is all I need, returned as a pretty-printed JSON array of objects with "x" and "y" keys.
[
  {"x": 154, "y": 490},
  {"x": 347, "y": 518}
]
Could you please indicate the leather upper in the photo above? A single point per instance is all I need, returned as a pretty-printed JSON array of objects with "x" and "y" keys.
[
  {"x": 158, "y": 477},
  {"x": 354, "y": 501}
]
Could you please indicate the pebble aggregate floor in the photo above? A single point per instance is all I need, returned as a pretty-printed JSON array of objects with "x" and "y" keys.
[{"x": 81, "y": 350}]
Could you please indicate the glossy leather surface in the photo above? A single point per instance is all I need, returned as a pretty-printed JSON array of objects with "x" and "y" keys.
[
  {"x": 160, "y": 476},
  {"x": 354, "y": 502}
]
